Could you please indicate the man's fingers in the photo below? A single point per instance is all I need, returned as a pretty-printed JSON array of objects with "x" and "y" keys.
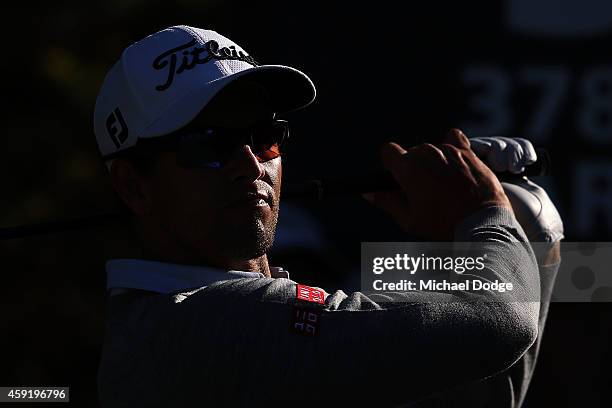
[
  {"x": 431, "y": 177},
  {"x": 456, "y": 138},
  {"x": 452, "y": 153},
  {"x": 496, "y": 158},
  {"x": 530, "y": 153},
  {"x": 391, "y": 154},
  {"x": 504, "y": 153},
  {"x": 480, "y": 146},
  {"x": 403, "y": 164},
  {"x": 516, "y": 159}
]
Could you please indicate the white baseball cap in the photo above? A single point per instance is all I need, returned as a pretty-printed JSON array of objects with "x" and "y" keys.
[{"x": 163, "y": 81}]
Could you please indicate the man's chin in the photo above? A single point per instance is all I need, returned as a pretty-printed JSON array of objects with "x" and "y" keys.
[{"x": 251, "y": 242}]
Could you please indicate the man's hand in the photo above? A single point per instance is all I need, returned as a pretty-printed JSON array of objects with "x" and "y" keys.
[
  {"x": 504, "y": 154},
  {"x": 534, "y": 210},
  {"x": 440, "y": 186},
  {"x": 532, "y": 207}
]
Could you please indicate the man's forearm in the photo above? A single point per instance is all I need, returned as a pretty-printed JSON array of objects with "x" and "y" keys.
[{"x": 522, "y": 371}]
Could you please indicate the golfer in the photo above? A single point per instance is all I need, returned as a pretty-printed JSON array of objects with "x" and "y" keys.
[{"x": 189, "y": 125}]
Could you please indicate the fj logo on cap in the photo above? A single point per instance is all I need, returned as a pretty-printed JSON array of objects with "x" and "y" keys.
[
  {"x": 192, "y": 58},
  {"x": 117, "y": 128}
]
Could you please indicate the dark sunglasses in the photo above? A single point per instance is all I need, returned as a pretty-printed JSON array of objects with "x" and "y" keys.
[{"x": 213, "y": 147}]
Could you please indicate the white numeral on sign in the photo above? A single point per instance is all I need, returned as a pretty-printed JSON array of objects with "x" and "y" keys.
[
  {"x": 490, "y": 103},
  {"x": 595, "y": 117},
  {"x": 554, "y": 84},
  {"x": 494, "y": 111}
]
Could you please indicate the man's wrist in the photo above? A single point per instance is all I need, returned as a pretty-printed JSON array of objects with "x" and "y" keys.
[{"x": 493, "y": 215}]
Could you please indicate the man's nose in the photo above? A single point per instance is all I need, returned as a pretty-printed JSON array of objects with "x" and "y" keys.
[{"x": 244, "y": 164}]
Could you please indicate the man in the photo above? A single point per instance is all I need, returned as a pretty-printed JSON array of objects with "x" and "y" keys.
[{"x": 186, "y": 120}]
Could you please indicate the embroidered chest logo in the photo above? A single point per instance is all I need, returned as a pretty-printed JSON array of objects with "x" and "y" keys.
[
  {"x": 192, "y": 56},
  {"x": 306, "y": 314},
  {"x": 305, "y": 321},
  {"x": 310, "y": 294}
]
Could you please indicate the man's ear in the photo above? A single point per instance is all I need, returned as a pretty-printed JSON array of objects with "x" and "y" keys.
[{"x": 130, "y": 186}]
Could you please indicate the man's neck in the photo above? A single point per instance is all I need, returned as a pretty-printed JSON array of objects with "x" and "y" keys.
[
  {"x": 165, "y": 250},
  {"x": 253, "y": 265},
  {"x": 259, "y": 264}
]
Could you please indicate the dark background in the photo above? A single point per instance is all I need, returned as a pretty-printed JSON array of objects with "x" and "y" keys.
[{"x": 383, "y": 70}]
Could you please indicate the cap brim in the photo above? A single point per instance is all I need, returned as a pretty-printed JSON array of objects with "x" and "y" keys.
[{"x": 289, "y": 90}]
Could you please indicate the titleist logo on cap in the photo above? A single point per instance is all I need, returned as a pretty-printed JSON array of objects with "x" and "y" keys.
[{"x": 193, "y": 57}]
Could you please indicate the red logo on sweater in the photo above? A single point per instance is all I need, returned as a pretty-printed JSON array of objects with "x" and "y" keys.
[{"x": 310, "y": 294}]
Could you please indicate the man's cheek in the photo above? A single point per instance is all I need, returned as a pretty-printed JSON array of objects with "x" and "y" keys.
[{"x": 274, "y": 171}]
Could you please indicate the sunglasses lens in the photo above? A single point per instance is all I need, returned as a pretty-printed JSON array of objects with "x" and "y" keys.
[
  {"x": 200, "y": 150},
  {"x": 267, "y": 140},
  {"x": 213, "y": 147},
  {"x": 271, "y": 152}
]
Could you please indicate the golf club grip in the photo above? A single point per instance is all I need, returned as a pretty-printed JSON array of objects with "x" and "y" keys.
[
  {"x": 311, "y": 189},
  {"x": 382, "y": 180}
]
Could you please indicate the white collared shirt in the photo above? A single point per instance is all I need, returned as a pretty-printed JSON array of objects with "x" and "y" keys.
[{"x": 162, "y": 277}]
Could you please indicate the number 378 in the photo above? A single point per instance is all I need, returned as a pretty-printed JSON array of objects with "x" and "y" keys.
[{"x": 491, "y": 88}]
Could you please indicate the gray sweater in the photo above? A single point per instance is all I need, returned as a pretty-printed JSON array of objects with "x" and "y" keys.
[{"x": 230, "y": 343}]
